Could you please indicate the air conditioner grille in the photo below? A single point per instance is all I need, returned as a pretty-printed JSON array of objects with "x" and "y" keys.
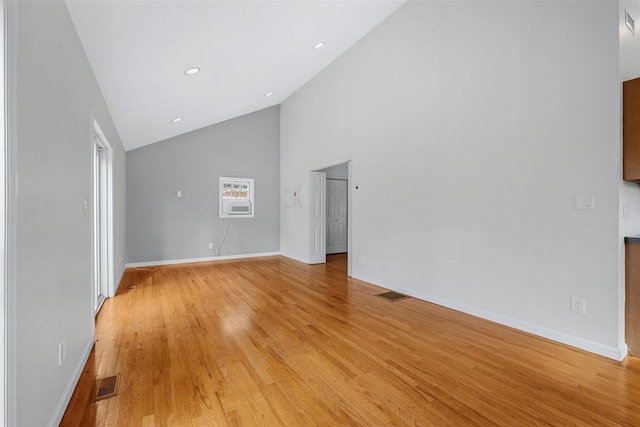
[{"x": 240, "y": 209}]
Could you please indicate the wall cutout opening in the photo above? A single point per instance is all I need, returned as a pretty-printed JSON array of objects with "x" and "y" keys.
[{"x": 236, "y": 197}]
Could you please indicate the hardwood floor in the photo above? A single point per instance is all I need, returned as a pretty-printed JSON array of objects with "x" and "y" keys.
[{"x": 273, "y": 342}]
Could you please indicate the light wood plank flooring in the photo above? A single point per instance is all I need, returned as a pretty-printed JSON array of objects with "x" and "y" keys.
[{"x": 274, "y": 342}]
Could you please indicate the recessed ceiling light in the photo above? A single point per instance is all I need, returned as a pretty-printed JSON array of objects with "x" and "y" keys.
[
  {"x": 268, "y": 94},
  {"x": 192, "y": 71},
  {"x": 176, "y": 120},
  {"x": 319, "y": 45}
]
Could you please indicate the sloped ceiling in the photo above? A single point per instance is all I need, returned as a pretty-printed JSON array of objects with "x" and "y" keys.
[{"x": 139, "y": 51}]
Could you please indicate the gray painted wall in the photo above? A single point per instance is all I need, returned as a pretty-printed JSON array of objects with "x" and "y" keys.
[
  {"x": 163, "y": 227},
  {"x": 55, "y": 95}
]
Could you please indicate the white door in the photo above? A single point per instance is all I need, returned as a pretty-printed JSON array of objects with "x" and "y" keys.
[
  {"x": 336, "y": 216},
  {"x": 317, "y": 217}
]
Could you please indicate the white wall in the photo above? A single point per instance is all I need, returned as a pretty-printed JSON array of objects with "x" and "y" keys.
[
  {"x": 340, "y": 171},
  {"x": 486, "y": 119},
  {"x": 55, "y": 95},
  {"x": 629, "y": 192}
]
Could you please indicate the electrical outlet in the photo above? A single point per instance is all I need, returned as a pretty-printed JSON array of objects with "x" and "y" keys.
[
  {"x": 578, "y": 305},
  {"x": 210, "y": 245}
]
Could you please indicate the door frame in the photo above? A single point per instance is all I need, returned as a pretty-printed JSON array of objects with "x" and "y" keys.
[
  {"x": 105, "y": 235},
  {"x": 350, "y": 208},
  {"x": 8, "y": 297}
]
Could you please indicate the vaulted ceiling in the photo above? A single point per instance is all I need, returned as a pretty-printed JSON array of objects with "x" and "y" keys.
[{"x": 245, "y": 49}]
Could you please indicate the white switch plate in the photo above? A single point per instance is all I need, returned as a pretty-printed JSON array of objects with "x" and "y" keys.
[
  {"x": 60, "y": 353},
  {"x": 630, "y": 22},
  {"x": 179, "y": 193},
  {"x": 585, "y": 202}
]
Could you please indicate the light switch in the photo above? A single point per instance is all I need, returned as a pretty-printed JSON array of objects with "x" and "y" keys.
[
  {"x": 585, "y": 202},
  {"x": 179, "y": 193}
]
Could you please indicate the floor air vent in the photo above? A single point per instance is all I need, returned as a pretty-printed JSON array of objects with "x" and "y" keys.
[
  {"x": 107, "y": 387},
  {"x": 392, "y": 296}
]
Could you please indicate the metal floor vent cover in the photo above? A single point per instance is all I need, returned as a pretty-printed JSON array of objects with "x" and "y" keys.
[
  {"x": 392, "y": 296},
  {"x": 107, "y": 387}
]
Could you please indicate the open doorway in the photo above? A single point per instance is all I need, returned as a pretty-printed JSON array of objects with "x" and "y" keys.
[
  {"x": 330, "y": 212},
  {"x": 102, "y": 218},
  {"x": 337, "y": 208}
]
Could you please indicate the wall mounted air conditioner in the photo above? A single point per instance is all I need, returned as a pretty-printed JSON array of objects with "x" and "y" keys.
[{"x": 236, "y": 197}]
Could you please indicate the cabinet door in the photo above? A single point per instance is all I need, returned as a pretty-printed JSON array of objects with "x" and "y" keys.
[
  {"x": 631, "y": 130},
  {"x": 632, "y": 294}
]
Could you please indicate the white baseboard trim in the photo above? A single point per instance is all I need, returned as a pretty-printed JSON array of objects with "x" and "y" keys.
[
  {"x": 65, "y": 398},
  {"x": 205, "y": 259},
  {"x": 295, "y": 258},
  {"x": 616, "y": 353}
]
